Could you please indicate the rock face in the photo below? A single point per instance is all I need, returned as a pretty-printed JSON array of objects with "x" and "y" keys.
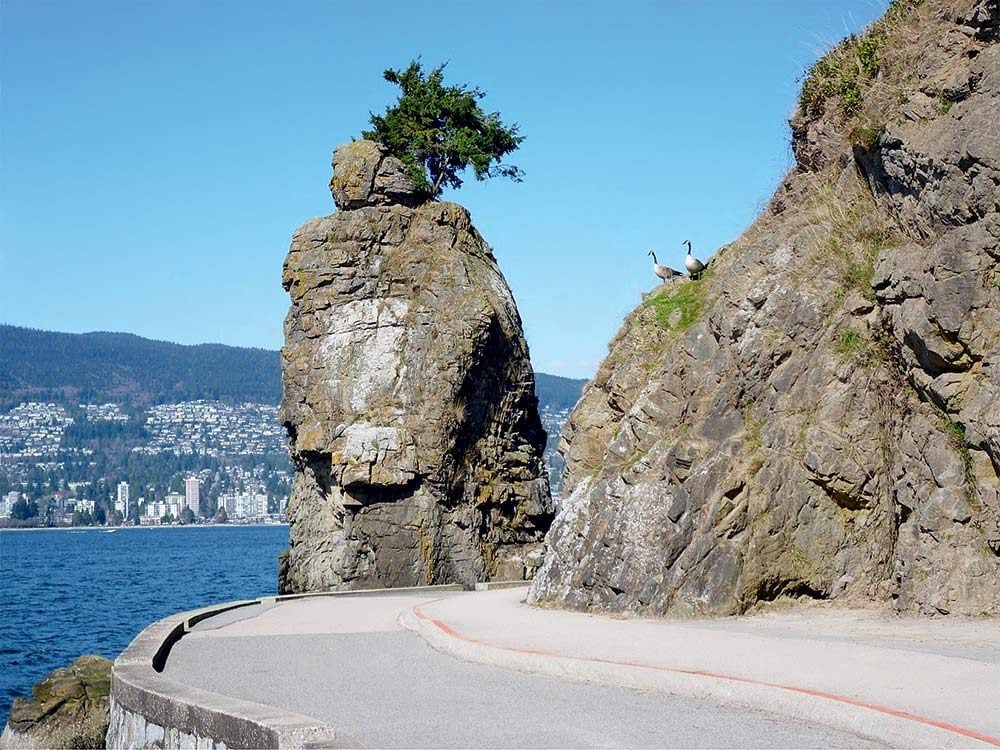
[
  {"x": 70, "y": 709},
  {"x": 408, "y": 395},
  {"x": 820, "y": 416}
]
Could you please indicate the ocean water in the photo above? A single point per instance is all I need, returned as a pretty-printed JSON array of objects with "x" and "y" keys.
[{"x": 64, "y": 593}]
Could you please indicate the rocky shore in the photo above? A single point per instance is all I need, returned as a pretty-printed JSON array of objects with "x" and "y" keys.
[{"x": 70, "y": 708}]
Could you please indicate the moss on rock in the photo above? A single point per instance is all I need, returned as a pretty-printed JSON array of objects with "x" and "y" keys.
[{"x": 70, "y": 708}]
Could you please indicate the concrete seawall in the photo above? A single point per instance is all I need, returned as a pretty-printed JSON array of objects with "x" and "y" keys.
[{"x": 149, "y": 710}]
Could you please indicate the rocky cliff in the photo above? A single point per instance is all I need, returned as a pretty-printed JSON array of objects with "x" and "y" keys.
[
  {"x": 408, "y": 395},
  {"x": 820, "y": 415}
]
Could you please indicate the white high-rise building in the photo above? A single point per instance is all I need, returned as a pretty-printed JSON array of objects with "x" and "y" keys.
[
  {"x": 155, "y": 511},
  {"x": 244, "y": 504},
  {"x": 192, "y": 488},
  {"x": 121, "y": 505},
  {"x": 7, "y": 503}
]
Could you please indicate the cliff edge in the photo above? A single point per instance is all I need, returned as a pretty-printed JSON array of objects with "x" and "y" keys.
[
  {"x": 819, "y": 416},
  {"x": 408, "y": 395}
]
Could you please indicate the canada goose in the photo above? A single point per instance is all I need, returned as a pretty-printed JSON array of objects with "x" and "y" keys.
[
  {"x": 691, "y": 263},
  {"x": 664, "y": 272}
]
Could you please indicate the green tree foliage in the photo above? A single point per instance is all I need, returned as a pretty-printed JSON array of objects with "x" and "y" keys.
[
  {"x": 23, "y": 510},
  {"x": 439, "y": 130}
]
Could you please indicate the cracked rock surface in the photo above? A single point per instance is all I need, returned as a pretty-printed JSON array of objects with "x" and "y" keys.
[
  {"x": 408, "y": 395},
  {"x": 826, "y": 426}
]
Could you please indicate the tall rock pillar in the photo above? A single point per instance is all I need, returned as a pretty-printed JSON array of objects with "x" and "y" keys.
[{"x": 408, "y": 395}]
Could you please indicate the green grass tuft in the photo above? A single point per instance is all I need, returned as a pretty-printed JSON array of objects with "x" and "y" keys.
[
  {"x": 956, "y": 432},
  {"x": 840, "y": 73},
  {"x": 866, "y": 136},
  {"x": 859, "y": 349},
  {"x": 849, "y": 341},
  {"x": 859, "y": 276},
  {"x": 859, "y": 273},
  {"x": 679, "y": 308},
  {"x": 959, "y": 441}
]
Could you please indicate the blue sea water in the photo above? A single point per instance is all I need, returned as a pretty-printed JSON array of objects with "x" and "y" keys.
[{"x": 64, "y": 593}]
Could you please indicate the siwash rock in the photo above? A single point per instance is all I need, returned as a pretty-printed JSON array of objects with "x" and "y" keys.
[
  {"x": 408, "y": 395},
  {"x": 820, "y": 416}
]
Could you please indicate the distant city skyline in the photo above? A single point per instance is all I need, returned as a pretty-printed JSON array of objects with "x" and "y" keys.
[{"x": 158, "y": 156}]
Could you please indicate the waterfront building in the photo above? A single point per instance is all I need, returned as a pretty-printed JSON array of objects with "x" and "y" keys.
[
  {"x": 191, "y": 494},
  {"x": 121, "y": 504},
  {"x": 7, "y": 503},
  {"x": 240, "y": 505},
  {"x": 155, "y": 511}
]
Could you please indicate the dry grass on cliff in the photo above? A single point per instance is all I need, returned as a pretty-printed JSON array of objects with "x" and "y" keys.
[
  {"x": 864, "y": 82},
  {"x": 848, "y": 232},
  {"x": 851, "y": 74}
]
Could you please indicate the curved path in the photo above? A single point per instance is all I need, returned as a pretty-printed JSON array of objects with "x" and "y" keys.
[
  {"x": 348, "y": 662},
  {"x": 906, "y": 681}
]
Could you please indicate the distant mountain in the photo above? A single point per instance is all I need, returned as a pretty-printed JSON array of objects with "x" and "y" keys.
[
  {"x": 74, "y": 368},
  {"x": 127, "y": 369},
  {"x": 556, "y": 392}
]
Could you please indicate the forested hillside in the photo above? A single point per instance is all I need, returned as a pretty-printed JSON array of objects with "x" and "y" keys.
[
  {"x": 127, "y": 369},
  {"x": 557, "y": 393},
  {"x": 130, "y": 370}
]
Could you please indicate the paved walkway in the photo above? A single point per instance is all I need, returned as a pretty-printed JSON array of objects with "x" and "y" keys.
[{"x": 767, "y": 681}]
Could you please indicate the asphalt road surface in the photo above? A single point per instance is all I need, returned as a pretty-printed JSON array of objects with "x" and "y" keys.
[{"x": 390, "y": 689}]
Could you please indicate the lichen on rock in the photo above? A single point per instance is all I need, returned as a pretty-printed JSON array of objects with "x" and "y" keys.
[
  {"x": 408, "y": 395},
  {"x": 828, "y": 425}
]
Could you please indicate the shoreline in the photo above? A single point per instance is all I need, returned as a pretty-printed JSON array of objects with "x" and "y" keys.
[{"x": 106, "y": 529}]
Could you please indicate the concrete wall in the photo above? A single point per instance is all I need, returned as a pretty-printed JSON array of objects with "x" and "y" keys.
[
  {"x": 129, "y": 729},
  {"x": 150, "y": 711}
]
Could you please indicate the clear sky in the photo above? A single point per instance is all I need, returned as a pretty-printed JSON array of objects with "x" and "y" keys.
[{"x": 156, "y": 156}]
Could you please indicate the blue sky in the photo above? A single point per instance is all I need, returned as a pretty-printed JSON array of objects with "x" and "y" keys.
[{"x": 155, "y": 157}]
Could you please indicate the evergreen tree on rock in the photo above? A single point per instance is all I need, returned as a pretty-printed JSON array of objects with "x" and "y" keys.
[{"x": 438, "y": 131}]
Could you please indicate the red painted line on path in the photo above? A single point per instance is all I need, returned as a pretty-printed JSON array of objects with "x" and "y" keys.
[{"x": 971, "y": 733}]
